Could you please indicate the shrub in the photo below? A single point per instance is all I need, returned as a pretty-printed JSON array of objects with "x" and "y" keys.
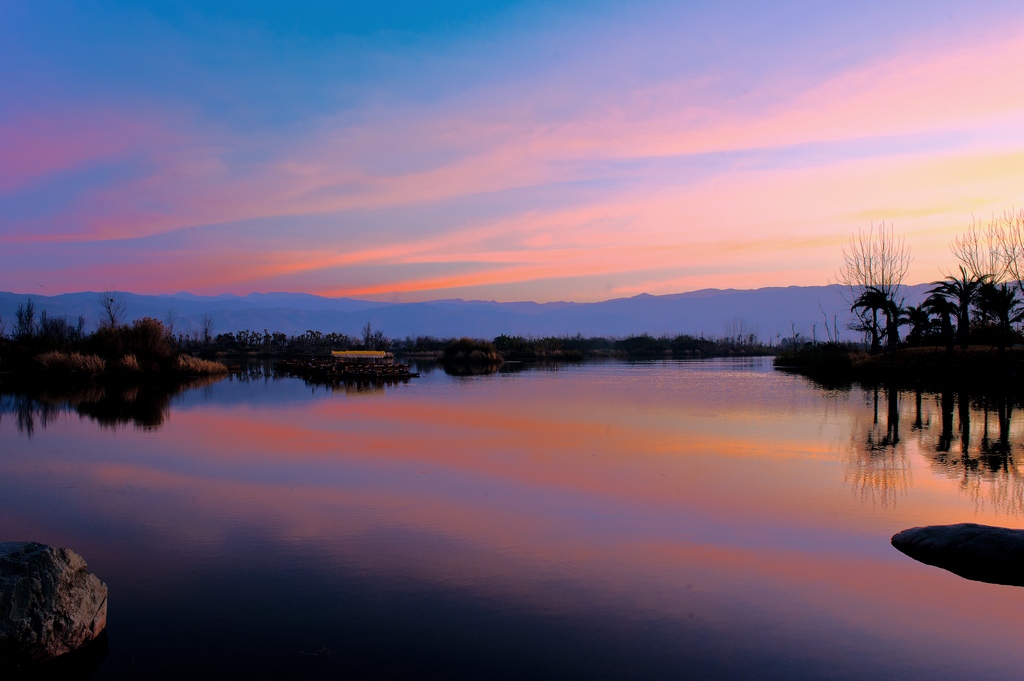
[
  {"x": 187, "y": 364},
  {"x": 146, "y": 339},
  {"x": 470, "y": 351}
]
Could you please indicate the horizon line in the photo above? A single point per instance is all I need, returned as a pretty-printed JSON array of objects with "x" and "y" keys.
[{"x": 179, "y": 294}]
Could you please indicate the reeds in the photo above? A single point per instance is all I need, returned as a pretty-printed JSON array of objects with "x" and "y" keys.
[
  {"x": 129, "y": 363},
  {"x": 187, "y": 364},
  {"x": 93, "y": 365},
  {"x": 74, "y": 362}
]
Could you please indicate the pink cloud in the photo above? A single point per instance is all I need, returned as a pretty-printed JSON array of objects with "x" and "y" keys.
[
  {"x": 497, "y": 147},
  {"x": 36, "y": 145}
]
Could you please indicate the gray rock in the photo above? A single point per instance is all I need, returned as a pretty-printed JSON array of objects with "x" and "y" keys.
[
  {"x": 49, "y": 602},
  {"x": 979, "y": 552}
]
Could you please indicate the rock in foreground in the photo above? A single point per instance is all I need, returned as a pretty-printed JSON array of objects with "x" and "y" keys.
[
  {"x": 49, "y": 602},
  {"x": 979, "y": 552}
]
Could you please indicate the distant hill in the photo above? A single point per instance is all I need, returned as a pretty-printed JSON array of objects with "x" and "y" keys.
[{"x": 770, "y": 312}]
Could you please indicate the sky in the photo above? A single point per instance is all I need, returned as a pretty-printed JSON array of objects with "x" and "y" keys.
[{"x": 579, "y": 151}]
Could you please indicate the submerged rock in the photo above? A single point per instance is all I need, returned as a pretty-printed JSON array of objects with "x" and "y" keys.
[
  {"x": 979, "y": 552},
  {"x": 50, "y": 604}
]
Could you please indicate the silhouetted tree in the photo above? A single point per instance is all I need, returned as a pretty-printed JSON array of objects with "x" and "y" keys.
[
  {"x": 25, "y": 320},
  {"x": 945, "y": 310},
  {"x": 206, "y": 328},
  {"x": 874, "y": 300},
  {"x": 922, "y": 326},
  {"x": 982, "y": 251},
  {"x": 113, "y": 308},
  {"x": 870, "y": 301},
  {"x": 56, "y": 333},
  {"x": 1012, "y": 239},
  {"x": 170, "y": 321},
  {"x": 895, "y": 316},
  {"x": 962, "y": 291},
  {"x": 875, "y": 259},
  {"x": 380, "y": 341},
  {"x": 1000, "y": 304}
]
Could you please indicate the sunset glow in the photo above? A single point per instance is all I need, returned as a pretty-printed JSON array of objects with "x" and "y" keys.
[{"x": 507, "y": 151}]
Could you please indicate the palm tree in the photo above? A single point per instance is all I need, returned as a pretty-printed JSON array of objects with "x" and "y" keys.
[
  {"x": 895, "y": 316},
  {"x": 999, "y": 302},
  {"x": 962, "y": 291},
  {"x": 875, "y": 300},
  {"x": 872, "y": 300},
  {"x": 920, "y": 321},
  {"x": 939, "y": 305}
]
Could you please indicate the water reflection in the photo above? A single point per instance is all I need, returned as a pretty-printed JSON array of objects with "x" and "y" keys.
[
  {"x": 877, "y": 464},
  {"x": 254, "y": 371},
  {"x": 465, "y": 369},
  {"x": 515, "y": 367},
  {"x": 660, "y": 520},
  {"x": 973, "y": 440},
  {"x": 82, "y": 663},
  {"x": 144, "y": 406}
]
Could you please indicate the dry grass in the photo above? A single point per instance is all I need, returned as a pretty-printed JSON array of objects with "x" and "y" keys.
[
  {"x": 129, "y": 363},
  {"x": 72, "y": 362},
  {"x": 93, "y": 365},
  {"x": 194, "y": 366}
]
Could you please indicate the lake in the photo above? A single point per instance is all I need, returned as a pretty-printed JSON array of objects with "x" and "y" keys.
[{"x": 657, "y": 520}]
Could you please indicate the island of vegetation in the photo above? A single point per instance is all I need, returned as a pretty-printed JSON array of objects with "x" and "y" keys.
[
  {"x": 50, "y": 349},
  {"x": 966, "y": 332}
]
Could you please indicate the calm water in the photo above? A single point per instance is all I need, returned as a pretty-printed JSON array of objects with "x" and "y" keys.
[{"x": 622, "y": 521}]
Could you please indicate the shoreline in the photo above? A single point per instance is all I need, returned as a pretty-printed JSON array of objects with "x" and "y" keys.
[{"x": 977, "y": 369}]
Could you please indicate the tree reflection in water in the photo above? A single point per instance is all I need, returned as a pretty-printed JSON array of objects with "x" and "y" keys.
[
  {"x": 987, "y": 471},
  {"x": 973, "y": 441},
  {"x": 142, "y": 406},
  {"x": 876, "y": 463}
]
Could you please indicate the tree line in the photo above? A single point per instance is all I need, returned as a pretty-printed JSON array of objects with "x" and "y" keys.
[
  {"x": 510, "y": 347},
  {"x": 980, "y": 302},
  {"x": 149, "y": 342}
]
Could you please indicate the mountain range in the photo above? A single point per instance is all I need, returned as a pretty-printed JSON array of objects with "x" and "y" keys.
[{"x": 770, "y": 313}]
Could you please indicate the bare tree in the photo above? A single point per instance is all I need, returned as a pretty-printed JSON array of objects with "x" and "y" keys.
[
  {"x": 878, "y": 258},
  {"x": 170, "y": 321},
  {"x": 113, "y": 308},
  {"x": 832, "y": 337},
  {"x": 875, "y": 263},
  {"x": 368, "y": 336},
  {"x": 206, "y": 326},
  {"x": 1012, "y": 235},
  {"x": 994, "y": 251},
  {"x": 740, "y": 332},
  {"x": 25, "y": 317},
  {"x": 991, "y": 262},
  {"x": 985, "y": 251}
]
